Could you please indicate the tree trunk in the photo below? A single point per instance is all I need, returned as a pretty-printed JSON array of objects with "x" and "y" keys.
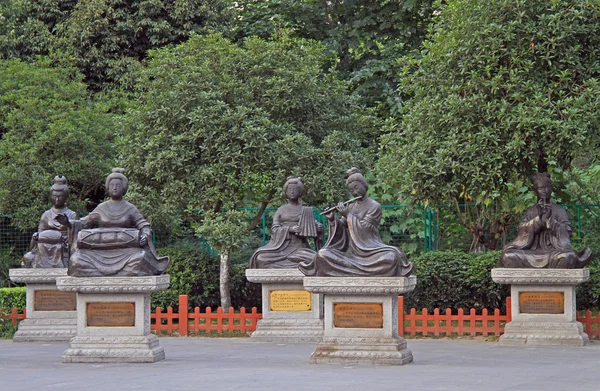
[{"x": 224, "y": 281}]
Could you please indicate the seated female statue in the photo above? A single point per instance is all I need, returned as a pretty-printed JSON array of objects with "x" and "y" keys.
[
  {"x": 543, "y": 238},
  {"x": 354, "y": 247},
  {"x": 113, "y": 240},
  {"x": 292, "y": 225},
  {"x": 49, "y": 245}
]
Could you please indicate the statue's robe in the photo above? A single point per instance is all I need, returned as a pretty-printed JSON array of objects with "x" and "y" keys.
[
  {"x": 50, "y": 250},
  {"x": 544, "y": 244},
  {"x": 354, "y": 247},
  {"x": 285, "y": 250},
  {"x": 107, "y": 243}
]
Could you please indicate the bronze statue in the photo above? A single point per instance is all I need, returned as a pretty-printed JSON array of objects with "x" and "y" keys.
[
  {"x": 354, "y": 247},
  {"x": 113, "y": 240},
  {"x": 543, "y": 239},
  {"x": 49, "y": 245},
  {"x": 292, "y": 225}
]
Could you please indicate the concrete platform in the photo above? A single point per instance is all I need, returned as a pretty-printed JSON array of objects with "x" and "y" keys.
[{"x": 244, "y": 364}]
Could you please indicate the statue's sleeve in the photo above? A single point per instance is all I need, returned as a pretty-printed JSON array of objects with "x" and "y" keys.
[
  {"x": 528, "y": 228},
  {"x": 138, "y": 220}
]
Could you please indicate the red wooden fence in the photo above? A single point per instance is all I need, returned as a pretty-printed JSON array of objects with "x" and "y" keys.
[
  {"x": 207, "y": 321},
  {"x": 446, "y": 324},
  {"x": 438, "y": 323}
]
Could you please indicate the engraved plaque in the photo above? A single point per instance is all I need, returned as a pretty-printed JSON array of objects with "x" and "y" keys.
[
  {"x": 358, "y": 315},
  {"x": 54, "y": 301},
  {"x": 290, "y": 300},
  {"x": 111, "y": 314},
  {"x": 542, "y": 302}
]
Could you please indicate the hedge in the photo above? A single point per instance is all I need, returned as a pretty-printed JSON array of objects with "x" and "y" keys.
[
  {"x": 456, "y": 280},
  {"x": 196, "y": 274},
  {"x": 12, "y": 297}
]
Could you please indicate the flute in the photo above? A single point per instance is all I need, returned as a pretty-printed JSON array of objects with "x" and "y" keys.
[{"x": 332, "y": 208}]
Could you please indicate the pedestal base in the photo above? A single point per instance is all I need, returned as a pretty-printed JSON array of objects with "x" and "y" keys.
[
  {"x": 290, "y": 314},
  {"x": 543, "y": 334},
  {"x": 46, "y": 330},
  {"x": 51, "y": 315},
  {"x": 375, "y": 351},
  {"x": 361, "y": 320},
  {"x": 113, "y": 319},
  {"x": 543, "y": 306},
  {"x": 140, "y": 349}
]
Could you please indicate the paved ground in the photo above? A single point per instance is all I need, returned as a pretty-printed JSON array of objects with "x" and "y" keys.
[{"x": 241, "y": 364}]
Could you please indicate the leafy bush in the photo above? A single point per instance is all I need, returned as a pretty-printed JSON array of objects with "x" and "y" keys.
[
  {"x": 456, "y": 280},
  {"x": 196, "y": 273},
  {"x": 12, "y": 297}
]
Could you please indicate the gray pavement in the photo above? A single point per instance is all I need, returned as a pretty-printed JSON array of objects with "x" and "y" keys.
[{"x": 242, "y": 364}]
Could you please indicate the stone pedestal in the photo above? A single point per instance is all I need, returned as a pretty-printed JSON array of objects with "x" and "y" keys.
[
  {"x": 51, "y": 314},
  {"x": 113, "y": 319},
  {"x": 543, "y": 306},
  {"x": 290, "y": 313},
  {"x": 361, "y": 320}
]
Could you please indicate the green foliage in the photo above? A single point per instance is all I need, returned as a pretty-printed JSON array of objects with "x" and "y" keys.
[
  {"x": 366, "y": 37},
  {"x": 13, "y": 298},
  {"x": 49, "y": 126},
  {"x": 196, "y": 274},
  {"x": 220, "y": 126},
  {"x": 8, "y": 260},
  {"x": 456, "y": 280},
  {"x": 501, "y": 90},
  {"x": 10, "y": 298},
  {"x": 226, "y": 231},
  {"x": 25, "y": 29},
  {"x": 108, "y": 38}
]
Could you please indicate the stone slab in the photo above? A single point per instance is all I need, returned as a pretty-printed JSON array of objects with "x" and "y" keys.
[
  {"x": 362, "y": 351},
  {"x": 355, "y": 340},
  {"x": 46, "y": 321},
  {"x": 536, "y": 327},
  {"x": 285, "y": 326},
  {"x": 102, "y": 305},
  {"x": 126, "y": 349}
]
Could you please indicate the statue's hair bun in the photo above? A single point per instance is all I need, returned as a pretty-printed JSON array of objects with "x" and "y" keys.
[
  {"x": 352, "y": 171},
  {"x": 60, "y": 180}
]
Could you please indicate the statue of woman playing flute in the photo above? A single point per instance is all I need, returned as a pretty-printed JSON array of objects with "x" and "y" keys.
[
  {"x": 354, "y": 247},
  {"x": 293, "y": 224}
]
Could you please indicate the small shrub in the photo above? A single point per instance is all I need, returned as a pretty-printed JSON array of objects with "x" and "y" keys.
[{"x": 13, "y": 297}]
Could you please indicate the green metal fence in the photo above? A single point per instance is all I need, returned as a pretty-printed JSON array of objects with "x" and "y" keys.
[{"x": 414, "y": 229}]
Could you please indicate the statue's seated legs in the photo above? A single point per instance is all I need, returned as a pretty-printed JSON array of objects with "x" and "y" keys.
[
  {"x": 553, "y": 259},
  {"x": 334, "y": 263}
]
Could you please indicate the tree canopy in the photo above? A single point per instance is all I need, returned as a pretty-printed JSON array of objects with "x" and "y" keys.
[
  {"x": 220, "y": 126},
  {"x": 49, "y": 126},
  {"x": 502, "y": 89}
]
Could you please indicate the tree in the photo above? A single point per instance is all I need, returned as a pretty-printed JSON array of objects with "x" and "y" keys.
[
  {"x": 105, "y": 39},
  {"x": 219, "y": 126},
  {"x": 502, "y": 89},
  {"x": 365, "y": 37},
  {"x": 110, "y": 37},
  {"x": 49, "y": 126}
]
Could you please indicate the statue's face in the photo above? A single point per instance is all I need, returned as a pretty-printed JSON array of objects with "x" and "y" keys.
[
  {"x": 59, "y": 198},
  {"x": 116, "y": 189},
  {"x": 357, "y": 189},
  {"x": 544, "y": 191},
  {"x": 293, "y": 192}
]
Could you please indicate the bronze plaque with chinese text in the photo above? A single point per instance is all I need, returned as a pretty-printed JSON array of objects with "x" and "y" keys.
[
  {"x": 542, "y": 302},
  {"x": 47, "y": 300},
  {"x": 290, "y": 300},
  {"x": 358, "y": 315},
  {"x": 111, "y": 314}
]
